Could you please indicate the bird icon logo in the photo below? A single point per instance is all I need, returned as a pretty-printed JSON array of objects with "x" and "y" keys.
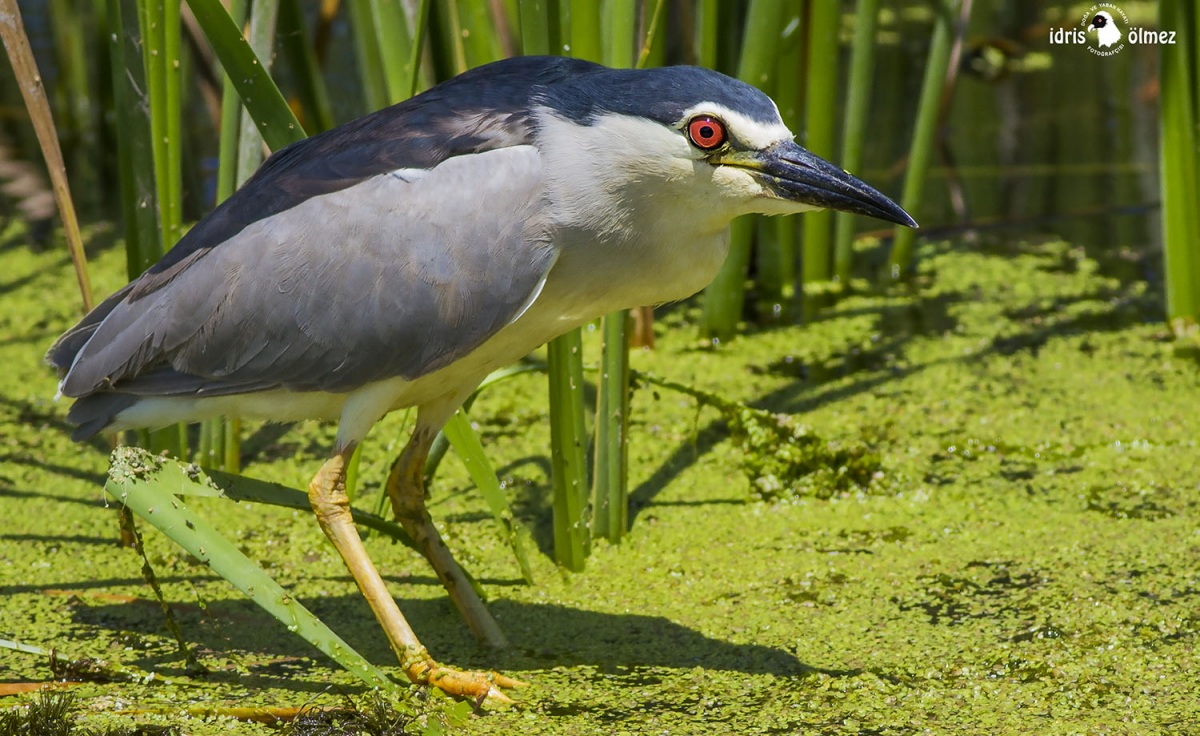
[
  {"x": 1102, "y": 19},
  {"x": 1105, "y": 29}
]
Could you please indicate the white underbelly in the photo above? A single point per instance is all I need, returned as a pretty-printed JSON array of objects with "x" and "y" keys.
[{"x": 358, "y": 410}]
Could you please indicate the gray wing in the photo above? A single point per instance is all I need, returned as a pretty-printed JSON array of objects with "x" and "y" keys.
[{"x": 396, "y": 275}]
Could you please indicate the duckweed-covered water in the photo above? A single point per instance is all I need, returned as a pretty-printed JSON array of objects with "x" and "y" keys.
[{"x": 1011, "y": 546}]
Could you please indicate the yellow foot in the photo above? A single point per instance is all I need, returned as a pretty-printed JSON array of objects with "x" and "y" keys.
[{"x": 477, "y": 687}]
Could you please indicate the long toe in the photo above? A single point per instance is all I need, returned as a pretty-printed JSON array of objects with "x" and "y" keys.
[{"x": 478, "y": 687}]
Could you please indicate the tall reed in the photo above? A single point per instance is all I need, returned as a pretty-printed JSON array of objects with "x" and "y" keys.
[
  {"x": 725, "y": 296},
  {"x": 820, "y": 126},
  {"x": 610, "y": 481},
  {"x": 779, "y": 237},
  {"x": 858, "y": 98},
  {"x": 239, "y": 151},
  {"x": 541, "y": 28},
  {"x": 1179, "y": 166},
  {"x": 924, "y": 137}
]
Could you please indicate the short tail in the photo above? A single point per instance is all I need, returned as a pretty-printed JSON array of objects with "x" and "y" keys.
[
  {"x": 91, "y": 414},
  {"x": 62, "y": 353}
]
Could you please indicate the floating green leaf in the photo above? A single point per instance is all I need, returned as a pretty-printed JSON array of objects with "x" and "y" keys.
[{"x": 148, "y": 485}]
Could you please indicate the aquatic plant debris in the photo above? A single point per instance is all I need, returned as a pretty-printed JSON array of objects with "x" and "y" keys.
[
  {"x": 147, "y": 485},
  {"x": 783, "y": 458},
  {"x": 51, "y": 713},
  {"x": 1030, "y": 569}
]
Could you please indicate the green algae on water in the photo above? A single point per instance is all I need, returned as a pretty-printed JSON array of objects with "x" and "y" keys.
[{"x": 1027, "y": 563}]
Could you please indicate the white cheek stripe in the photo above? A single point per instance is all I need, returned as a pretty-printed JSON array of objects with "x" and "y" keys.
[{"x": 754, "y": 133}]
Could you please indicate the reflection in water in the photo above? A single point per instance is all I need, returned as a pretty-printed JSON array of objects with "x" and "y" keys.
[{"x": 1039, "y": 139}]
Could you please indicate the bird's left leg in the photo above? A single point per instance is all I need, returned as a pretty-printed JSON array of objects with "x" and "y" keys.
[
  {"x": 330, "y": 503},
  {"x": 406, "y": 489}
]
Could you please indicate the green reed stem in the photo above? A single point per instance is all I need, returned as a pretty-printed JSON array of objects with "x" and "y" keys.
[
  {"x": 263, "y": 14},
  {"x": 393, "y": 40},
  {"x": 453, "y": 51},
  {"x": 708, "y": 28},
  {"x": 653, "y": 49},
  {"x": 610, "y": 479},
  {"x": 725, "y": 296},
  {"x": 368, "y": 54},
  {"x": 231, "y": 120},
  {"x": 820, "y": 129},
  {"x": 568, "y": 435},
  {"x": 152, "y": 27},
  {"x": 482, "y": 40},
  {"x": 171, "y": 145},
  {"x": 779, "y": 237},
  {"x": 541, "y": 26},
  {"x": 135, "y": 154},
  {"x": 220, "y": 439},
  {"x": 564, "y": 354},
  {"x": 261, "y": 98},
  {"x": 161, "y": 32},
  {"x": 1179, "y": 168},
  {"x": 621, "y": 42},
  {"x": 302, "y": 57},
  {"x": 858, "y": 99},
  {"x": 420, "y": 30},
  {"x": 924, "y": 134},
  {"x": 586, "y": 41}
]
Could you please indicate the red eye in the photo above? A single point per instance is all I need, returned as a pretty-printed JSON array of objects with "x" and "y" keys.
[{"x": 706, "y": 132}]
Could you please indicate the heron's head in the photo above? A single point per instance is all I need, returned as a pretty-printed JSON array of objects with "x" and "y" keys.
[{"x": 679, "y": 136}]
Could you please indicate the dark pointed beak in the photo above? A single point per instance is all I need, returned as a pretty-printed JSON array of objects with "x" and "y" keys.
[{"x": 794, "y": 174}]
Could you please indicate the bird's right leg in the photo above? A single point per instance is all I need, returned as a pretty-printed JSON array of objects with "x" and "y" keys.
[{"x": 330, "y": 503}]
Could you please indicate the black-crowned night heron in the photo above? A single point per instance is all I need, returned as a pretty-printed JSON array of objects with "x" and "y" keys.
[{"x": 398, "y": 259}]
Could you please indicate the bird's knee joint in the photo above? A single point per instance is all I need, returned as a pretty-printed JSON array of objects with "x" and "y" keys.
[
  {"x": 330, "y": 513},
  {"x": 328, "y": 497}
]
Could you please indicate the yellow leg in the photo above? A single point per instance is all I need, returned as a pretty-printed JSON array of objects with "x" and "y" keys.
[
  {"x": 327, "y": 494},
  {"x": 406, "y": 489}
]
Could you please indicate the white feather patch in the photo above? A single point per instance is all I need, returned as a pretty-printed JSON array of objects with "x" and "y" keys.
[{"x": 753, "y": 133}]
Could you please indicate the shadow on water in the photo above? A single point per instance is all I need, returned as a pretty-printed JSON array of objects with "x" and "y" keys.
[
  {"x": 12, "y": 492},
  {"x": 867, "y": 366},
  {"x": 542, "y": 636},
  {"x": 94, "y": 479},
  {"x": 37, "y": 418},
  {"x": 56, "y": 539},
  {"x": 685, "y": 455}
]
